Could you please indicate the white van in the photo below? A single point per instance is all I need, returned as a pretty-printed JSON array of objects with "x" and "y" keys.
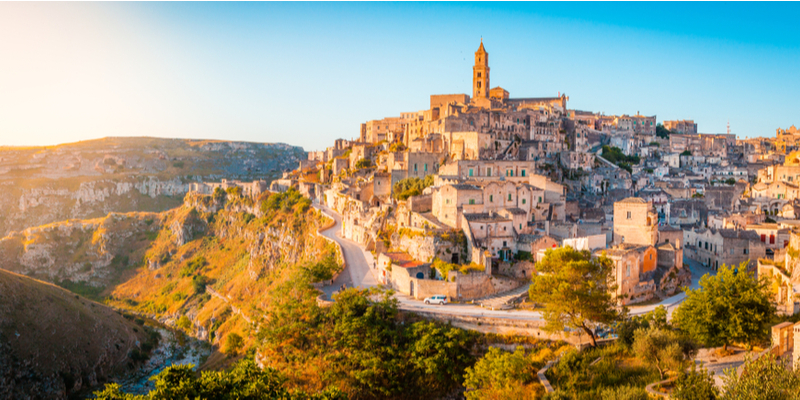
[{"x": 437, "y": 299}]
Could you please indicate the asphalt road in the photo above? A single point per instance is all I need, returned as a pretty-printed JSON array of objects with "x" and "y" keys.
[{"x": 359, "y": 273}]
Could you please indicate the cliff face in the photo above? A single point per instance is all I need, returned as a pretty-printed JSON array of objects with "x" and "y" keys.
[
  {"x": 207, "y": 266},
  {"x": 41, "y": 185},
  {"x": 54, "y": 343}
]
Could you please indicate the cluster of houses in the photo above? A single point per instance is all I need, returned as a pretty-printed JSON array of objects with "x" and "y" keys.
[{"x": 489, "y": 182}]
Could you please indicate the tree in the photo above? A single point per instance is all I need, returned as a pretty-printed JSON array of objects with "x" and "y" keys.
[
  {"x": 695, "y": 385},
  {"x": 575, "y": 290},
  {"x": 405, "y": 188},
  {"x": 244, "y": 381},
  {"x": 233, "y": 343},
  {"x": 439, "y": 354},
  {"x": 686, "y": 153},
  {"x": 765, "y": 378},
  {"x": 728, "y": 307},
  {"x": 662, "y": 132},
  {"x": 663, "y": 349},
  {"x": 627, "y": 329},
  {"x": 363, "y": 163},
  {"x": 730, "y": 181},
  {"x": 503, "y": 375}
]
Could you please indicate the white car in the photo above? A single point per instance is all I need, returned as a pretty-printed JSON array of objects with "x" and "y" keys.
[{"x": 438, "y": 299}]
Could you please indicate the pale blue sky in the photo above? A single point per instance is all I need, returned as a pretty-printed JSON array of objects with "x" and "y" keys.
[{"x": 308, "y": 73}]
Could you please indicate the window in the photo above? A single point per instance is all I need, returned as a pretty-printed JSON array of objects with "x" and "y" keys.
[
  {"x": 479, "y": 74},
  {"x": 540, "y": 199},
  {"x": 426, "y": 167},
  {"x": 509, "y": 197},
  {"x": 771, "y": 239},
  {"x": 470, "y": 172},
  {"x": 522, "y": 173},
  {"x": 520, "y": 226},
  {"x": 629, "y": 215},
  {"x": 447, "y": 201},
  {"x": 744, "y": 251},
  {"x": 491, "y": 198},
  {"x": 489, "y": 171},
  {"x": 523, "y": 201},
  {"x": 763, "y": 238},
  {"x": 415, "y": 167},
  {"x": 628, "y": 269},
  {"x": 706, "y": 245},
  {"x": 471, "y": 201}
]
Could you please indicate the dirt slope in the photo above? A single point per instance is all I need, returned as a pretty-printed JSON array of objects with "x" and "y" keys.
[{"x": 54, "y": 343}]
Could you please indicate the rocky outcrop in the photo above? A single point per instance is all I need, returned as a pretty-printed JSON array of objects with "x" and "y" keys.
[{"x": 91, "y": 179}]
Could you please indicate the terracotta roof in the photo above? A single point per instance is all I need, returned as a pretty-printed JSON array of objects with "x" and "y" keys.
[{"x": 403, "y": 260}]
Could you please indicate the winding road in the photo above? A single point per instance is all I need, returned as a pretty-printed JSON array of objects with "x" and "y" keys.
[{"x": 359, "y": 273}]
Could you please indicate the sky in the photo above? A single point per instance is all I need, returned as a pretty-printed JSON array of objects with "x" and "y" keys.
[{"x": 308, "y": 73}]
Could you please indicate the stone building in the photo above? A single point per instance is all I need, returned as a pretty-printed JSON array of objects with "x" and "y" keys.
[
  {"x": 633, "y": 267},
  {"x": 683, "y": 126},
  {"x": 712, "y": 247},
  {"x": 635, "y": 222}
]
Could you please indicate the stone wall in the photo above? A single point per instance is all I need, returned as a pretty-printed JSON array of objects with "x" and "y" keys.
[
  {"x": 521, "y": 269},
  {"x": 428, "y": 287}
]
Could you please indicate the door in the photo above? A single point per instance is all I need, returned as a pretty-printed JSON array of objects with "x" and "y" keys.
[{"x": 411, "y": 289}]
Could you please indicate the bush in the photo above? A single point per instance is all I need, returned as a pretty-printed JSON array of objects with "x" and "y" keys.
[
  {"x": 289, "y": 200},
  {"x": 624, "y": 393},
  {"x": 184, "y": 323},
  {"x": 695, "y": 385},
  {"x": 199, "y": 283},
  {"x": 405, "y": 188},
  {"x": 363, "y": 163},
  {"x": 503, "y": 375},
  {"x": 233, "y": 343}
]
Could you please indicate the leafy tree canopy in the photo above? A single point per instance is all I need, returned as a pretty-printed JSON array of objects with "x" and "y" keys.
[
  {"x": 244, "y": 381},
  {"x": 575, "y": 290},
  {"x": 695, "y": 385},
  {"x": 405, "y": 188},
  {"x": 663, "y": 349},
  {"x": 765, "y": 378},
  {"x": 728, "y": 307},
  {"x": 505, "y": 375}
]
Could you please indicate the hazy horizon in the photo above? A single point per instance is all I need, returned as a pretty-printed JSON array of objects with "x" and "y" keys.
[{"x": 306, "y": 74}]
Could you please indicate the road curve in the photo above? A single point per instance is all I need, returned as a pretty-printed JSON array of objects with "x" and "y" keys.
[{"x": 359, "y": 273}]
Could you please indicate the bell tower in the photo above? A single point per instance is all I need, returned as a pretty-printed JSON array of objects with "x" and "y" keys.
[{"x": 480, "y": 74}]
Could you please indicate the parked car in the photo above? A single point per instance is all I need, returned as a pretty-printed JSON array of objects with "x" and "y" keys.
[{"x": 437, "y": 299}]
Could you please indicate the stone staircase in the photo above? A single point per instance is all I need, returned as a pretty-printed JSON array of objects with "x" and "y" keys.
[{"x": 501, "y": 301}]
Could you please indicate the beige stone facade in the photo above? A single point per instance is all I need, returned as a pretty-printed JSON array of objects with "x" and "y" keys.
[{"x": 635, "y": 222}]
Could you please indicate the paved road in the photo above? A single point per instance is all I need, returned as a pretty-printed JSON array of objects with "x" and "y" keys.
[
  {"x": 359, "y": 261},
  {"x": 359, "y": 273}
]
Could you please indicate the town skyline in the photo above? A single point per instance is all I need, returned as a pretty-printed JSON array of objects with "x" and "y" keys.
[{"x": 175, "y": 71}]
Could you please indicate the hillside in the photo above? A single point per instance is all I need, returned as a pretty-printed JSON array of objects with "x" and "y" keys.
[
  {"x": 207, "y": 267},
  {"x": 41, "y": 185},
  {"x": 54, "y": 343}
]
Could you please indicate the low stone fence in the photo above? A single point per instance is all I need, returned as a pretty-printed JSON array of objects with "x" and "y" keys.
[
  {"x": 501, "y": 325},
  {"x": 650, "y": 389},
  {"x": 543, "y": 378}
]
